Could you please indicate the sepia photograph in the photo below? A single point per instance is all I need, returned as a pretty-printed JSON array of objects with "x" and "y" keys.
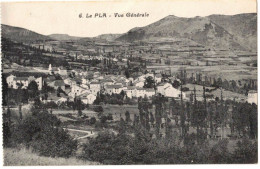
[{"x": 140, "y": 82}]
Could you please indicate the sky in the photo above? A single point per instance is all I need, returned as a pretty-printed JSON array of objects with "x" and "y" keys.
[{"x": 63, "y": 17}]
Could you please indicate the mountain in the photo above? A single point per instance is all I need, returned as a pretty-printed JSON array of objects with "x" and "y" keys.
[
  {"x": 61, "y": 37},
  {"x": 22, "y": 35},
  {"x": 211, "y": 31},
  {"x": 108, "y": 37},
  {"x": 242, "y": 26}
]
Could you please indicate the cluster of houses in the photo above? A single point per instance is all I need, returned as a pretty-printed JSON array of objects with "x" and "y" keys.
[
  {"x": 87, "y": 89},
  {"x": 23, "y": 82}
]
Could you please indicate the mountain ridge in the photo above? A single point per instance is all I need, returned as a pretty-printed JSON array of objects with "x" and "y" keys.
[
  {"x": 63, "y": 37},
  {"x": 215, "y": 31},
  {"x": 19, "y": 34},
  {"x": 211, "y": 31}
]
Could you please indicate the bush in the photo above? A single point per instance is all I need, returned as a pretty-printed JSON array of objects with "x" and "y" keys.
[
  {"x": 246, "y": 152},
  {"x": 219, "y": 153},
  {"x": 108, "y": 149},
  {"x": 109, "y": 116},
  {"x": 98, "y": 109},
  {"x": 43, "y": 133},
  {"x": 185, "y": 89},
  {"x": 54, "y": 143},
  {"x": 92, "y": 120}
]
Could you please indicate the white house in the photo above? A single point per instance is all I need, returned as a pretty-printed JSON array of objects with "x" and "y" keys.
[
  {"x": 95, "y": 87},
  {"x": 140, "y": 79},
  {"x": 106, "y": 82},
  {"x": 61, "y": 100},
  {"x": 140, "y": 92},
  {"x": 39, "y": 82},
  {"x": 139, "y": 84},
  {"x": 161, "y": 87},
  {"x": 88, "y": 98},
  {"x": 113, "y": 89},
  {"x": 62, "y": 71},
  {"x": 77, "y": 90},
  {"x": 20, "y": 80},
  {"x": 84, "y": 81},
  {"x": 172, "y": 92},
  {"x": 158, "y": 78},
  {"x": 14, "y": 82},
  {"x": 132, "y": 91},
  {"x": 149, "y": 92},
  {"x": 167, "y": 90},
  {"x": 69, "y": 82},
  {"x": 252, "y": 97}
]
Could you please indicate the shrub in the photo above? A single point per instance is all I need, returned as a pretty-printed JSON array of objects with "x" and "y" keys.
[
  {"x": 219, "y": 153},
  {"x": 92, "y": 120},
  {"x": 42, "y": 132},
  {"x": 54, "y": 143},
  {"x": 246, "y": 152},
  {"x": 98, "y": 109}
]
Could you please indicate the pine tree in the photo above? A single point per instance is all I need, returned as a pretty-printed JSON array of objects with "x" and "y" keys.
[
  {"x": 20, "y": 112},
  {"x": 127, "y": 116},
  {"x": 182, "y": 116}
]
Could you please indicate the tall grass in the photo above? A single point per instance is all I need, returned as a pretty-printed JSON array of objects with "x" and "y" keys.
[{"x": 25, "y": 157}]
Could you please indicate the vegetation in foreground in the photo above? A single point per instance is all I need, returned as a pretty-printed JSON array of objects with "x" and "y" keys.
[
  {"x": 140, "y": 148},
  {"x": 139, "y": 141},
  {"x": 25, "y": 157}
]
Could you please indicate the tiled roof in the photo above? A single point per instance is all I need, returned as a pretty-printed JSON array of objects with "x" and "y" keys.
[
  {"x": 131, "y": 87},
  {"x": 21, "y": 78},
  {"x": 149, "y": 89},
  {"x": 94, "y": 83},
  {"x": 252, "y": 91},
  {"x": 59, "y": 83},
  {"x": 114, "y": 86}
]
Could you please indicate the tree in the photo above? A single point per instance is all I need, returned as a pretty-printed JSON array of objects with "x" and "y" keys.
[
  {"x": 33, "y": 89},
  {"x": 219, "y": 153},
  {"x": 127, "y": 116},
  {"x": 20, "y": 112},
  {"x": 127, "y": 73},
  {"x": 149, "y": 82},
  {"x": 176, "y": 84},
  {"x": 79, "y": 106},
  {"x": 59, "y": 90},
  {"x": 103, "y": 119},
  {"x": 33, "y": 86},
  {"x": 92, "y": 120},
  {"x": 246, "y": 152},
  {"x": 4, "y": 90}
]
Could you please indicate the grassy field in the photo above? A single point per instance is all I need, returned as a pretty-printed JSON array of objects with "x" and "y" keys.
[
  {"x": 229, "y": 72},
  {"x": 216, "y": 93},
  {"x": 25, "y": 157},
  {"x": 118, "y": 111}
]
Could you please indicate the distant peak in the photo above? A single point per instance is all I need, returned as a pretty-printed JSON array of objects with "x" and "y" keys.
[{"x": 171, "y": 16}]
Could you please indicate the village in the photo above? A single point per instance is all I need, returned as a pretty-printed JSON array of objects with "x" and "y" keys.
[{"x": 147, "y": 96}]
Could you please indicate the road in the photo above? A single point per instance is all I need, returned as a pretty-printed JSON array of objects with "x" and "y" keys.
[{"x": 89, "y": 134}]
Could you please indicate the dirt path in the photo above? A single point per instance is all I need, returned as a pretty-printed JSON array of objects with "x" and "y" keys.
[{"x": 89, "y": 133}]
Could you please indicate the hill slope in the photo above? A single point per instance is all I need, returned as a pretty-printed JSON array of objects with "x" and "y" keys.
[
  {"x": 108, "y": 37},
  {"x": 203, "y": 30},
  {"x": 24, "y": 157},
  {"x": 62, "y": 37},
  {"x": 242, "y": 26},
  {"x": 22, "y": 35}
]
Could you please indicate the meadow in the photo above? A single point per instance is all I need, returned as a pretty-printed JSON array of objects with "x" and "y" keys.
[{"x": 25, "y": 157}]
